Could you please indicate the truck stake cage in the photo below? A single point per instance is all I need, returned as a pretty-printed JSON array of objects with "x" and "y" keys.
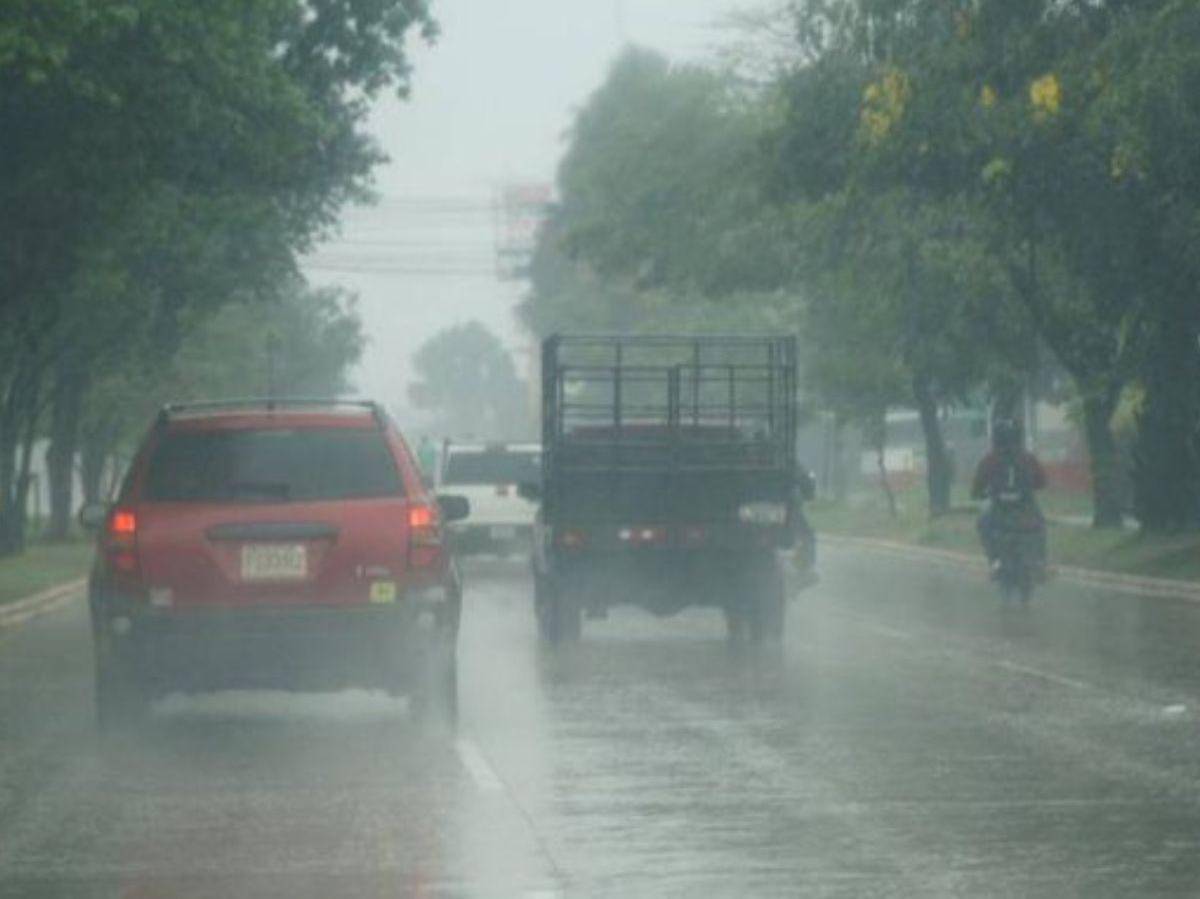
[{"x": 668, "y": 474}]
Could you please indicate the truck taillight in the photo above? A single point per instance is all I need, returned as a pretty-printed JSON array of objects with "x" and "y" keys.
[
  {"x": 424, "y": 536},
  {"x": 572, "y": 538},
  {"x": 643, "y": 536}
]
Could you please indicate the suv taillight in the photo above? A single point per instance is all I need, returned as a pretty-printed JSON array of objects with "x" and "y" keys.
[
  {"x": 120, "y": 542},
  {"x": 424, "y": 535}
]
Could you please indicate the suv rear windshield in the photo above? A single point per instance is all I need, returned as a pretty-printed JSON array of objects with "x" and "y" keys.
[
  {"x": 492, "y": 467},
  {"x": 272, "y": 465}
]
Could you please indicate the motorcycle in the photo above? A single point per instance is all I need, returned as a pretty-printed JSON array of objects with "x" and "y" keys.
[{"x": 1018, "y": 544}]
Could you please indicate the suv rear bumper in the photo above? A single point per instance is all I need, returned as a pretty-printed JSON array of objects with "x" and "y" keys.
[{"x": 314, "y": 648}]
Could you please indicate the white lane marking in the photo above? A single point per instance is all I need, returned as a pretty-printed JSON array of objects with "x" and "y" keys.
[
  {"x": 893, "y": 633},
  {"x": 14, "y": 615},
  {"x": 1042, "y": 675},
  {"x": 477, "y": 766},
  {"x": 488, "y": 781},
  {"x": 882, "y": 630}
]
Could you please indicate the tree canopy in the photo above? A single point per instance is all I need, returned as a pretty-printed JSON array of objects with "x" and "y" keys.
[
  {"x": 940, "y": 196},
  {"x": 160, "y": 161},
  {"x": 467, "y": 378}
]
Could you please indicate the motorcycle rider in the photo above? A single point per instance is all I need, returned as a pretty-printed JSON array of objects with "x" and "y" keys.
[{"x": 1009, "y": 476}]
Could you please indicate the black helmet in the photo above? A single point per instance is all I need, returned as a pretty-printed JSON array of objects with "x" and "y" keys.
[{"x": 1006, "y": 434}]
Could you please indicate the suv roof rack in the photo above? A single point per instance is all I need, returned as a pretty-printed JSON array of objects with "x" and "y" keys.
[{"x": 270, "y": 404}]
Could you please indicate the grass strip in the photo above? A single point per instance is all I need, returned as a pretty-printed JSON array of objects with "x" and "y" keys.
[
  {"x": 1175, "y": 557},
  {"x": 41, "y": 566}
]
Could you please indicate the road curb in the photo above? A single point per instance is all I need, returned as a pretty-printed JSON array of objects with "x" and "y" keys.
[
  {"x": 1120, "y": 583},
  {"x": 14, "y": 614}
]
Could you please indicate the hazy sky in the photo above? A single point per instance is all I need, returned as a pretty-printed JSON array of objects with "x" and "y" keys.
[{"x": 491, "y": 102}]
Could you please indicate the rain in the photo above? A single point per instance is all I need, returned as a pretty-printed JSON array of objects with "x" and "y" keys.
[{"x": 609, "y": 448}]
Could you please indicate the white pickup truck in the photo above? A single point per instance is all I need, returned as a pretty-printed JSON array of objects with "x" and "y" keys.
[{"x": 501, "y": 522}]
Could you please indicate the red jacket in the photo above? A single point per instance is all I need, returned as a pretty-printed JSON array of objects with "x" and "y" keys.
[{"x": 994, "y": 469}]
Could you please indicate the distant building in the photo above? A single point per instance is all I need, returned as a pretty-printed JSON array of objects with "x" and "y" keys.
[{"x": 1052, "y": 434}]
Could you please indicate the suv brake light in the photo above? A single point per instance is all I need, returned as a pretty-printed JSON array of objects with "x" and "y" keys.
[
  {"x": 420, "y": 517},
  {"x": 121, "y": 541},
  {"x": 424, "y": 535},
  {"x": 123, "y": 522},
  {"x": 642, "y": 536}
]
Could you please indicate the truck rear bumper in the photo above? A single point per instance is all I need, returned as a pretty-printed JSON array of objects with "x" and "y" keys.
[{"x": 663, "y": 582}]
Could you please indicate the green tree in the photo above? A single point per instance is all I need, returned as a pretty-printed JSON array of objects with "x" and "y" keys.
[
  {"x": 301, "y": 343},
  {"x": 985, "y": 104},
  {"x": 159, "y": 157},
  {"x": 892, "y": 273},
  {"x": 467, "y": 378},
  {"x": 1146, "y": 116},
  {"x": 657, "y": 184}
]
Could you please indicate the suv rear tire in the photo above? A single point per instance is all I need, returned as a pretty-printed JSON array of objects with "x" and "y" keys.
[{"x": 435, "y": 699}]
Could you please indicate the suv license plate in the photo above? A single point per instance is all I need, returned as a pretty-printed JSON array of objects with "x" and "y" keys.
[
  {"x": 274, "y": 562},
  {"x": 504, "y": 532}
]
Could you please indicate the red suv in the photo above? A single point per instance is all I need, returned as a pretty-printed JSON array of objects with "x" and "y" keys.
[{"x": 282, "y": 544}]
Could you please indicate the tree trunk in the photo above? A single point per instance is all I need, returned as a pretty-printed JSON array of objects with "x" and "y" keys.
[
  {"x": 91, "y": 471},
  {"x": 1166, "y": 476},
  {"x": 1091, "y": 353},
  {"x": 884, "y": 483},
  {"x": 878, "y": 431},
  {"x": 95, "y": 449},
  {"x": 1107, "y": 480},
  {"x": 18, "y": 427},
  {"x": 10, "y": 438},
  {"x": 64, "y": 440},
  {"x": 939, "y": 469},
  {"x": 25, "y": 476},
  {"x": 8, "y": 478},
  {"x": 838, "y": 473}
]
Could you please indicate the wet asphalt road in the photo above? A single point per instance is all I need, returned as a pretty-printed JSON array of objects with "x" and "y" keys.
[{"x": 916, "y": 739}]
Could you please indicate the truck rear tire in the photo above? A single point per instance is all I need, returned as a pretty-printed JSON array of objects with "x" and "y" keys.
[
  {"x": 560, "y": 619},
  {"x": 756, "y": 612},
  {"x": 766, "y": 601},
  {"x": 735, "y": 625}
]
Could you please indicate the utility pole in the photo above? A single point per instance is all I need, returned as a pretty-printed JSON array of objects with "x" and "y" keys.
[{"x": 272, "y": 350}]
